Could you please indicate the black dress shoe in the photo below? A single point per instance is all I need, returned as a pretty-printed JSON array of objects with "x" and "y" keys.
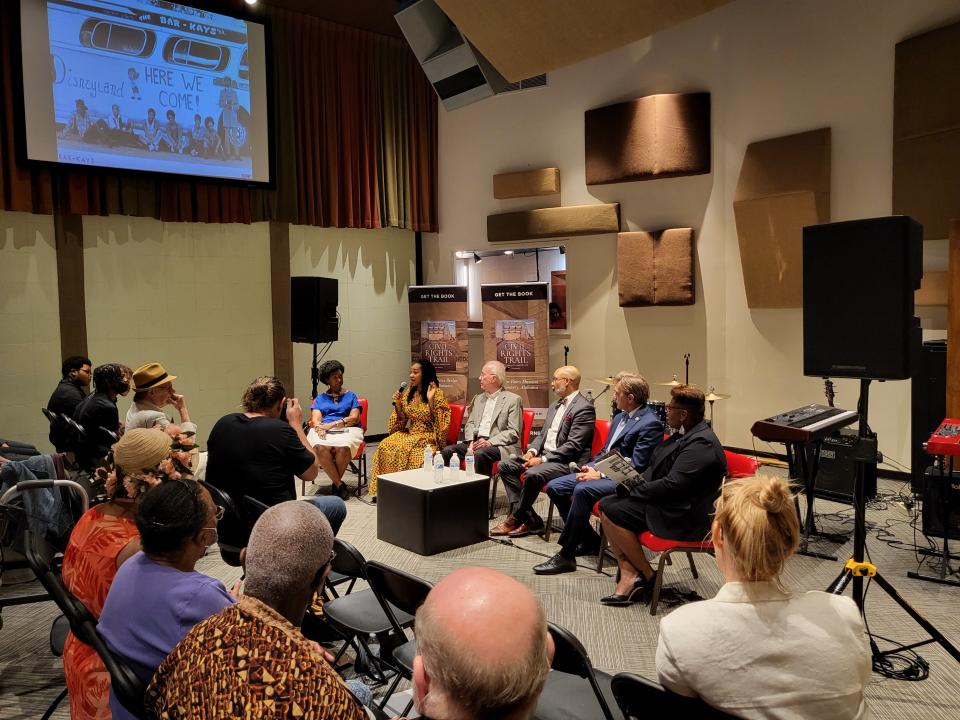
[
  {"x": 556, "y": 565},
  {"x": 342, "y": 491},
  {"x": 639, "y": 592},
  {"x": 585, "y": 549}
]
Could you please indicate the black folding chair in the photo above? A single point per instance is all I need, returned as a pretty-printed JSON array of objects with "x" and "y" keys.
[
  {"x": 397, "y": 589},
  {"x": 232, "y": 529},
  {"x": 639, "y": 698},
  {"x": 359, "y": 615},
  {"x": 128, "y": 688},
  {"x": 564, "y": 694}
]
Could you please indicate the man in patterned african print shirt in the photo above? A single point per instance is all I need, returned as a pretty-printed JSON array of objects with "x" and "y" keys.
[{"x": 251, "y": 660}]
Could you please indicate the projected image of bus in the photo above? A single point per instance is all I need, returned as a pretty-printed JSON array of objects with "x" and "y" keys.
[{"x": 151, "y": 85}]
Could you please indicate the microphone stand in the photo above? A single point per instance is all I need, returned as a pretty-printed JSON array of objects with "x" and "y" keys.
[
  {"x": 566, "y": 352},
  {"x": 686, "y": 374}
]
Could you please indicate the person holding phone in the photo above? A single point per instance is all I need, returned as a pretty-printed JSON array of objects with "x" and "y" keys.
[{"x": 258, "y": 452}]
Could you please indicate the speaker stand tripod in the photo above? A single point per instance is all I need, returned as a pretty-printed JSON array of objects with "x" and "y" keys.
[
  {"x": 314, "y": 374},
  {"x": 856, "y": 569}
]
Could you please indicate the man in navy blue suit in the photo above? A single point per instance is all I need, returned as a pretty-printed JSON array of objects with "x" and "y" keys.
[{"x": 635, "y": 432}]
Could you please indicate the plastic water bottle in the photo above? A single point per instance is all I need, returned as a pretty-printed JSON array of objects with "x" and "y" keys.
[
  {"x": 437, "y": 468},
  {"x": 469, "y": 460},
  {"x": 454, "y": 466},
  {"x": 427, "y": 458}
]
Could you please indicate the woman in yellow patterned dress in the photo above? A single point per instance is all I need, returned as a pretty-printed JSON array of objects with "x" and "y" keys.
[{"x": 420, "y": 417}]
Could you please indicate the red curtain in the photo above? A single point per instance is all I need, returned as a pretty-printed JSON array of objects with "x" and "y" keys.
[{"x": 329, "y": 124}]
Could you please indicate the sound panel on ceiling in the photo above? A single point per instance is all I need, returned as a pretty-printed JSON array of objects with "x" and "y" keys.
[
  {"x": 784, "y": 185},
  {"x": 528, "y": 183},
  {"x": 554, "y": 222},
  {"x": 655, "y": 268},
  {"x": 859, "y": 278},
  {"x": 926, "y": 129},
  {"x": 657, "y": 136}
]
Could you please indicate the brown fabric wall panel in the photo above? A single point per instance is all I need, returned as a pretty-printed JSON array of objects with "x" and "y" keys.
[
  {"x": 791, "y": 163},
  {"x": 933, "y": 290},
  {"x": 657, "y": 136},
  {"x": 529, "y": 183},
  {"x": 770, "y": 231},
  {"x": 554, "y": 222},
  {"x": 655, "y": 268},
  {"x": 926, "y": 129}
]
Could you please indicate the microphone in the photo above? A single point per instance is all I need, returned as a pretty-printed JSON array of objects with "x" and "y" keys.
[
  {"x": 574, "y": 467},
  {"x": 403, "y": 386}
]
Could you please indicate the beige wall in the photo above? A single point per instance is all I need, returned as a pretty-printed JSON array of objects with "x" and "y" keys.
[
  {"x": 193, "y": 297},
  {"x": 375, "y": 268},
  {"x": 773, "y": 68},
  {"x": 29, "y": 325}
]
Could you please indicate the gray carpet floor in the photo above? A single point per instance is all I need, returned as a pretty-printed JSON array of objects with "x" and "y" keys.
[{"x": 618, "y": 639}]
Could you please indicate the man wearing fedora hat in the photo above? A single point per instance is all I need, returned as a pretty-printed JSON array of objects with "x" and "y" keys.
[{"x": 153, "y": 390}]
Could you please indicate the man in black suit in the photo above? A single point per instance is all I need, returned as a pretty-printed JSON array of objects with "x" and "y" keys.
[
  {"x": 673, "y": 500},
  {"x": 566, "y": 437},
  {"x": 69, "y": 393}
]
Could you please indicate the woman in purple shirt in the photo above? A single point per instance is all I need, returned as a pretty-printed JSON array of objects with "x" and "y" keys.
[
  {"x": 335, "y": 432},
  {"x": 157, "y": 596}
]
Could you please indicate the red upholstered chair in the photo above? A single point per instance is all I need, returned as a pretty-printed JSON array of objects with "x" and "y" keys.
[
  {"x": 525, "y": 430},
  {"x": 456, "y": 420},
  {"x": 737, "y": 466},
  {"x": 359, "y": 463},
  {"x": 601, "y": 431}
]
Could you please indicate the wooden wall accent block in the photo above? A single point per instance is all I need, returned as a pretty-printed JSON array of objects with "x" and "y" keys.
[
  {"x": 528, "y": 183},
  {"x": 953, "y": 323},
  {"x": 933, "y": 290},
  {"x": 784, "y": 184},
  {"x": 657, "y": 136},
  {"x": 655, "y": 268},
  {"x": 68, "y": 233},
  {"x": 280, "y": 302},
  {"x": 554, "y": 222},
  {"x": 926, "y": 129}
]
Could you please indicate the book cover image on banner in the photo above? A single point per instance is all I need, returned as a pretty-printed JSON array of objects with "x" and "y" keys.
[
  {"x": 438, "y": 333},
  {"x": 516, "y": 332}
]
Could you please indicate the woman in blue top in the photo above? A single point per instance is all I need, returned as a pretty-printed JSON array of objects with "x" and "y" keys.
[{"x": 335, "y": 432}]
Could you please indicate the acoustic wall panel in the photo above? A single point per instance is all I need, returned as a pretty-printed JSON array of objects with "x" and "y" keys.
[
  {"x": 653, "y": 137},
  {"x": 554, "y": 222},
  {"x": 528, "y": 183},
  {"x": 655, "y": 268},
  {"x": 933, "y": 290},
  {"x": 926, "y": 130},
  {"x": 784, "y": 185}
]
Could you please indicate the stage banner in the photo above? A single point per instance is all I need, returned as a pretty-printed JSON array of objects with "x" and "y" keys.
[
  {"x": 515, "y": 332},
  {"x": 438, "y": 332}
]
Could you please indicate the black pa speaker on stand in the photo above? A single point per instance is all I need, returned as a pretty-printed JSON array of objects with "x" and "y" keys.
[{"x": 313, "y": 316}]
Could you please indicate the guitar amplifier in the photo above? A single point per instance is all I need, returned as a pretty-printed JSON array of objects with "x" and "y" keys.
[
  {"x": 837, "y": 472},
  {"x": 934, "y": 498}
]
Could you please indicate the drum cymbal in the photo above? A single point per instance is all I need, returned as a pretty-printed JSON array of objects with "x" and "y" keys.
[
  {"x": 605, "y": 381},
  {"x": 714, "y": 396},
  {"x": 672, "y": 383}
]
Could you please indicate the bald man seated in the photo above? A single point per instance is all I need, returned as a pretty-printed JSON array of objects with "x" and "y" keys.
[
  {"x": 566, "y": 438},
  {"x": 484, "y": 650}
]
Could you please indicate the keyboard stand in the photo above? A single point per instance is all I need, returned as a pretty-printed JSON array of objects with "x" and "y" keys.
[{"x": 806, "y": 457}]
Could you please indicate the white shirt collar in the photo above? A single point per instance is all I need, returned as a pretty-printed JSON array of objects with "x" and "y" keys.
[
  {"x": 751, "y": 592},
  {"x": 491, "y": 396}
]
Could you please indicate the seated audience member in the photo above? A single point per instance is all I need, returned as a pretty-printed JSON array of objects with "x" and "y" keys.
[
  {"x": 257, "y": 453},
  {"x": 494, "y": 423},
  {"x": 756, "y": 650},
  {"x": 70, "y": 392},
  {"x": 635, "y": 432},
  {"x": 420, "y": 417},
  {"x": 462, "y": 671},
  {"x": 335, "y": 432},
  {"x": 98, "y": 412},
  {"x": 152, "y": 391},
  {"x": 566, "y": 437},
  {"x": 673, "y": 499},
  {"x": 287, "y": 559},
  {"x": 157, "y": 595},
  {"x": 104, "y": 537}
]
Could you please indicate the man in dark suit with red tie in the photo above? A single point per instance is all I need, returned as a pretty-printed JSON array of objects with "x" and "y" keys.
[
  {"x": 566, "y": 437},
  {"x": 634, "y": 434}
]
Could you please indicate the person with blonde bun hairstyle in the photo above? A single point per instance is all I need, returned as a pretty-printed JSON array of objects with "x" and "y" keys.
[{"x": 757, "y": 650}]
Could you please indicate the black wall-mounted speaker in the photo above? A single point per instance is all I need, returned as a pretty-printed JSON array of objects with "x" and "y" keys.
[{"x": 313, "y": 309}]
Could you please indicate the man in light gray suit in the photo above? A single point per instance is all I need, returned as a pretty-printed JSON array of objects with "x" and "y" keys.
[{"x": 493, "y": 426}]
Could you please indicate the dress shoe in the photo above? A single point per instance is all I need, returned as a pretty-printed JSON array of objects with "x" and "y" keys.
[
  {"x": 504, "y": 528},
  {"x": 342, "y": 491},
  {"x": 585, "y": 549},
  {"x": 638, "y": 592},
  {"x": 530, "y": 527},
  {"x": 556, "y": 565}
]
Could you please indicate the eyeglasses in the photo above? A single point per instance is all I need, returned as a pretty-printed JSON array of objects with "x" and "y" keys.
[
  {"x": 333, "y": 556},
  {"x": 671, "y": 406},
  {"x": 218, "y": 516}
]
